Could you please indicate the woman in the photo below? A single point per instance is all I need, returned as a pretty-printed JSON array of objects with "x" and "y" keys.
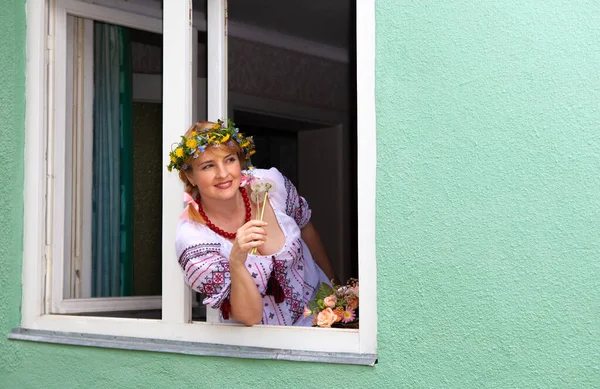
[{"x": 222, "y": 225}]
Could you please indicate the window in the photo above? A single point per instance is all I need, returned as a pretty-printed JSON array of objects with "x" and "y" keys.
[
  {"x": 46, "y": 186},
  {"x": 111, "y": 252}
]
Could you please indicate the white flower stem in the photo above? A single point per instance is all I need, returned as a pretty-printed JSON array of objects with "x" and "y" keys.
[{"x": 262, "y": 213}]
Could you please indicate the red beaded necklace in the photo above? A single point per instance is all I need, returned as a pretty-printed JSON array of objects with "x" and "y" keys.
[{"x": 209, "y": 224}]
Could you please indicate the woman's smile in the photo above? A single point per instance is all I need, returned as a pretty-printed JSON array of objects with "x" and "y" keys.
[{"x": 224, "y": 185}]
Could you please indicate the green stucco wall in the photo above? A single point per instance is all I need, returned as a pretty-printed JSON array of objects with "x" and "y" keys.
[{"x": 488, "y": 211}]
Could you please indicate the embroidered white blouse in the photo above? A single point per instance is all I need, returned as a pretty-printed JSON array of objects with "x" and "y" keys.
[{"x": 204, "y": 257}]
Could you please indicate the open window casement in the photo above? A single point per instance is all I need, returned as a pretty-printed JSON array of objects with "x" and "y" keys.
[
  {"x": 79, "y": 284},
  {"x": 56, "y": 264}
]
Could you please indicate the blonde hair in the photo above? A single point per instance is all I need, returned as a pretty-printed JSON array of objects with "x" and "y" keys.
[{"x": 233, "y": 147}]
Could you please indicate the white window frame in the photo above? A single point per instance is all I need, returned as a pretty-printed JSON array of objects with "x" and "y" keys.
[{"x": 175, "y": 326}]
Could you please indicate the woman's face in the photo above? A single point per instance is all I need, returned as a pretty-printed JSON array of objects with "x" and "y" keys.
[{"x": 216, "y": 173}]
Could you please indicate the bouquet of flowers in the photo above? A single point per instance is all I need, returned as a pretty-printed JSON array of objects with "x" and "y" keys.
[{"x": 335, "y": 307}]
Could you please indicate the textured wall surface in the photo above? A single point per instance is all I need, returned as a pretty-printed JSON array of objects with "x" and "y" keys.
[
  {"x": 488, "y": 227},
  {"x": 12, "y": 125},
  {"x": 489, "y": 155}
]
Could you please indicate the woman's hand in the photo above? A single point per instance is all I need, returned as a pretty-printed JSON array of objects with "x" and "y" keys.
[
  {"x": 246, "y": 301},
  {"x": 248, "y": 236}
]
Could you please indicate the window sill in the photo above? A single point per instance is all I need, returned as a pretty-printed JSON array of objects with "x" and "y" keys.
[{"x": 190, "y": 348}]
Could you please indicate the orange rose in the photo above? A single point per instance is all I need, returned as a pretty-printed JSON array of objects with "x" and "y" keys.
[
  {"x": 339, "y": 312},
  {"x": 326, "y": 318}
]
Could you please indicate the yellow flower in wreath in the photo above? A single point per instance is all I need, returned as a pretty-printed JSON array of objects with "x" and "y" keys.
[
  {"x": 191, "y": 143},
  {"x": 179, "y": 152},
  {"x": 216, "y": 126},
  {"x": 225, "y": 138}
]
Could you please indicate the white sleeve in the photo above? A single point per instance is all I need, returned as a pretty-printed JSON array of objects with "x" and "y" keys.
[{"x": 205, "y": 269}]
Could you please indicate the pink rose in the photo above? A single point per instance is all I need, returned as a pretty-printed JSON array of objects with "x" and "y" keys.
[
  {"x": 326, "y": 318},
  {"x": 329, "y": 301},
  {"x": 307, "y": 312}
]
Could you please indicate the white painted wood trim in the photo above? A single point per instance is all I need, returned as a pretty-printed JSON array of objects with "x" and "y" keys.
[
  {"x": 216, "y": 58},
  {"x": 280, "y": 337},
  {"x": 35, "y": 134},
  {"x": 109, "y": 304},
  {"x": 367, "y": 170},
  {"x": 217, "y": 72},
  {"x": 79, "y": 185},
  {"x": 177, "y": 116},
  {"x": 49, "y": 167},
  {"x": 141, "y": 7},
  {"x": 57, "y": 155},
  {"x": 70, "y": 198},
  {"x": 119, "y": 17}
]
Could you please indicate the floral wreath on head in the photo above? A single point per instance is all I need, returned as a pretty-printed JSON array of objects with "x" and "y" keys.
[{"x": 220, "y": 133}]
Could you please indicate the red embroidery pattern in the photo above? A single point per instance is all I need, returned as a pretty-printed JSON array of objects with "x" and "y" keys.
[
  {"x": 283, "y": 272},
  {"x": 207, "y": 272},
  {"x": 296, "y": 206}
]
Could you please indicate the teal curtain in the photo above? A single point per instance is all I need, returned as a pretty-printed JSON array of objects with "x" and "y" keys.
[{"x": 112, "y": 161}]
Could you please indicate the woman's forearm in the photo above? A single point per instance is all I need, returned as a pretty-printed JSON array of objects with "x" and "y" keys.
[
  {"x": 245, "y": 300},
  {"x": 317, "y": 250}
]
